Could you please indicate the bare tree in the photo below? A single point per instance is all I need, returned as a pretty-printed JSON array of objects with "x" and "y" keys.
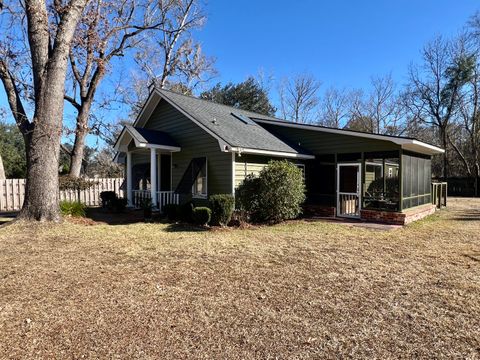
[
  {"x": 380, "y": 110},
  {"x": 384, "y": 106},
  {"x": 299, "y": 98},
  {"x": 335, "y": 107},
  {"x": 49, "y": 28},
  {"x": 107, "y": 31},
  {"x": 173, "y": 60},
  {"x": 433, "y": 94}
]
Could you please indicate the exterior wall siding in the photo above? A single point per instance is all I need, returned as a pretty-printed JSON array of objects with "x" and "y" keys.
[
  {"x": 253, "y": 164},
  {"x": 194, "y": 142}
]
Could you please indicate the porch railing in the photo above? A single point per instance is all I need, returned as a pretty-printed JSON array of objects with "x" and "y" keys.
[
  {"x": 163, "y": 198},
  {"x": 439, "y": 194}
]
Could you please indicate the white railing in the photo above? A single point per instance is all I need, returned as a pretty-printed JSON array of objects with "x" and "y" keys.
[
  {"x": 166, "y": 198},
  {"x": 163, "y": 198},
  {"x": 348, "y": 204}
]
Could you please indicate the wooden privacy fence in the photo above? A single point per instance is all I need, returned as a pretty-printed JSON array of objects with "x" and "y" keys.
[{"x": 12, "y": 192}]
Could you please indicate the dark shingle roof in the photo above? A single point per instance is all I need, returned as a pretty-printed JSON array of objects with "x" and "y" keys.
[{"x": 220, "y": 120}]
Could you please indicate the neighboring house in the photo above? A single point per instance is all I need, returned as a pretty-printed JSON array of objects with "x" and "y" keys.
[{"x": 183, "y": 148}]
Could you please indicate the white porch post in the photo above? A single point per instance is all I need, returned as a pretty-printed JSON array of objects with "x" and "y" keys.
[
  {"x": 153, "y": 176},
  {"x": 129, "y": 179}
]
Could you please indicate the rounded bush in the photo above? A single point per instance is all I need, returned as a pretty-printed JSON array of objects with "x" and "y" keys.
[
  {"x": 222, "y": 206},
  {"x": 277, "y": 194},
  {"x": 201, "y": 215}
]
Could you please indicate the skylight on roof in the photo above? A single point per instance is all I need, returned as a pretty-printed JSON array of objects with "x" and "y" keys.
[{"x": 244, "y": 119}]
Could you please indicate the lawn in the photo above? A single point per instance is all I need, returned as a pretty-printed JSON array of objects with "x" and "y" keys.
[{"x": 296, "y": 290}]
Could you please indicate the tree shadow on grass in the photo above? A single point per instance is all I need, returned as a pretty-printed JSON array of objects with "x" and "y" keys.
[
  {"x": 469, "y": 215},
  {"x": 6, "y": 218},
  {"x": 99, "y": 215}
]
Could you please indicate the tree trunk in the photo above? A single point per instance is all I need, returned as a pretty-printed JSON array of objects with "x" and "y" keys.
[
  {"x": 2, "y": 170},
  {"x": 444, "y": 137},
  {"x": 81, "y": 133},
  {"x": 41, "y": 189},
  {"x": 43, "y": 148}
]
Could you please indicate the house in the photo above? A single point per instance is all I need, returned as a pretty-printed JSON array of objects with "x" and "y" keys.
[{"x": 183, "y": 148}]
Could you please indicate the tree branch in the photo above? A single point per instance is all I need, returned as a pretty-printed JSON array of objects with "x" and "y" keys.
[
  {"x": 72, "y": 101},
  {"x": 14, "y": 100}
]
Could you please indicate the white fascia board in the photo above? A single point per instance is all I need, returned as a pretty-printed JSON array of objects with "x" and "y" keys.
[
  {"x": 150, "y": 104},
  {"x": 415, "y": 145},
  {"x": 155, "y": 146},
  {"x": 240, "y": 150}
]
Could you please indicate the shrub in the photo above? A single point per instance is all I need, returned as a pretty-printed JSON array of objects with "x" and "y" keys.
[
  {"x": 222, "y": 206},
  {"x": 201, "y": 215},
  {"x": 186, "y": 211},
  {"x": 72, "y": 208},
  {"x": 147, "y": 206},
  {"x": 107, "y": 198},
  {"x": 118, "y": 205},
  {"x": 246, "y": 195},
  {"x": 275, "y": 195},
  {"x": 171, "y": 211}
]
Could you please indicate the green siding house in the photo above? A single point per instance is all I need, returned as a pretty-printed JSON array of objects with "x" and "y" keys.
[{"x": 181, "y": 148}]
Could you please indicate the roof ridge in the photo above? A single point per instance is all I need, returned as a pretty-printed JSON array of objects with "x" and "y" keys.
[{"x": 218, "y": 104}]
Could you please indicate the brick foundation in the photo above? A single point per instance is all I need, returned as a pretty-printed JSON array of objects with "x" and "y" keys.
[
  {"x": 320, "y": 211},
  {"x": 397, "y": 218}
]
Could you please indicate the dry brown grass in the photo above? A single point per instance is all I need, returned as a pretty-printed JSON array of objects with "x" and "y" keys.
[{"x": 297, "y": 290}]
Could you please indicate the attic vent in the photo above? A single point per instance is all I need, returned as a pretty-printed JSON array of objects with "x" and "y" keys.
[{"x": 244, "y": 119}]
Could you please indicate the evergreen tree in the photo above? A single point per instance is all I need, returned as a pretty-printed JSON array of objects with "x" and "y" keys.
[{"x": 247, "y": 95}]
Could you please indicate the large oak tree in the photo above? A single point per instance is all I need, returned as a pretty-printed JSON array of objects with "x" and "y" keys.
[{"x": 49, "y": 28}]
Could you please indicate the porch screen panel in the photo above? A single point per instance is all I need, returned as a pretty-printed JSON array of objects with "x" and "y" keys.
[
  {"x": 416, "y": 170},
  {"x": 381, "y": 184},
  {"x": 320, "y": 180}
]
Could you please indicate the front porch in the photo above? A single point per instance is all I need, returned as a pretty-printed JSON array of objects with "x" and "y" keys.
[{"x": 149, "y": 177}]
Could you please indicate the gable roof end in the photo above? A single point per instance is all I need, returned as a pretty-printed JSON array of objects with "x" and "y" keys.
[{"x": 145, "y": 138}]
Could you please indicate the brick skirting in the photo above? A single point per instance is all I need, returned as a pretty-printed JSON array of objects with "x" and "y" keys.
[
  {"x": 386, "y": 217},
  {"x": 398, "y": 218},
  {"x": 319, "y": 210}
]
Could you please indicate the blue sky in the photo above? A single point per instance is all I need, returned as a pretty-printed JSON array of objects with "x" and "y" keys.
[{"x": 342, "y": 43}]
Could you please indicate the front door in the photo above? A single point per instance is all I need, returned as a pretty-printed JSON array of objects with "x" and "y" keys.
[{"x": 348, "y": 190}]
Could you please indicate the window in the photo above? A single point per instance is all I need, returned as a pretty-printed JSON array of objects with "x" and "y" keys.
[
  {"x": 199, "y": 188},
  {"x": 390, "y": 172},
  {"x": 244, "y": 119}
]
